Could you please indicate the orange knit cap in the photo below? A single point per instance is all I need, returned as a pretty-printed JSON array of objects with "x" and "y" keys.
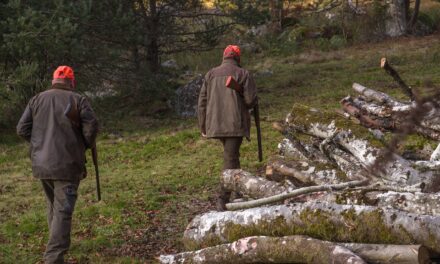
[
  {"x": 63, "y": 72},
  {"x": 232, "y": 51}
]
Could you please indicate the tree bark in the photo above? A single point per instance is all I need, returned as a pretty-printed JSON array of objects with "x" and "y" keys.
[
  {"x": 303, "y": 173},
  {"x": 263, "y": 249},
  {"x": 343, "y": 223},
  {"x": 417, "y": 203},
  {"x": 246, "y": 184}
]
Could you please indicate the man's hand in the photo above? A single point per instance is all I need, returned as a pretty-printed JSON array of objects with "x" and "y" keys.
[{"x": 203, "y": 135}]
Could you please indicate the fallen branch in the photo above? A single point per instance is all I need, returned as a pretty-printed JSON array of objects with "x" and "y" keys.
[
  {"x": 294, "y": 193},
  {"x": 263, "y": 249},
  {"x": 393, "y": 73}
]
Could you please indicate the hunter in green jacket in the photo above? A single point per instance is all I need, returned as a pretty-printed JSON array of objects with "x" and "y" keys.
[{"x": 223, "y": 113}]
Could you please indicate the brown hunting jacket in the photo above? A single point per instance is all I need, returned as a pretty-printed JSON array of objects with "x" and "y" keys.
[
  {"x": 222, "y": 111},
  {"x": 57, "y": 145}
]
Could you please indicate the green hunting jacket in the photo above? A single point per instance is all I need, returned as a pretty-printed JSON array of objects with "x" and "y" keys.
[
  {"x": 57, "y": 145},
  {"x": 222, "y": 111}
]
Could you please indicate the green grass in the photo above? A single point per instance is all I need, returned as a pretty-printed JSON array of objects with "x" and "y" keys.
[{"x": 159, "y": 173}]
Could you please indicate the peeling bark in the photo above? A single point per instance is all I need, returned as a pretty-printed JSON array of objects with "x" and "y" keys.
[
  {"x": 343, "y": 223},
  {"x": 263, "y": 249}
]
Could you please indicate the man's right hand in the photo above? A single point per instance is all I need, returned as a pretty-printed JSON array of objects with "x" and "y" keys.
[{"x": 203, "y": 135}]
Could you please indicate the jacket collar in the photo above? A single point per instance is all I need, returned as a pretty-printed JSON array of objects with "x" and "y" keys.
[
  {"x": 230, "y": 61},
  {"x": 62, "y": 86}
]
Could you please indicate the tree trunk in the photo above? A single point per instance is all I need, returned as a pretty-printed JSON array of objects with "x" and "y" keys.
[
  {"x": 396, "y": 21},
  {"x": 153, "y": 46},
  {"x": 415, "y": 14},
  {"x": 263, "y": 249},
  {"x": 276, "y": 15},
  {"x": 343, "y": 223}
]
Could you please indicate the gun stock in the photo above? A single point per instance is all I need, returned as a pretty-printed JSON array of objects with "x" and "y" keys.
[{"x": 233, "y": 84}]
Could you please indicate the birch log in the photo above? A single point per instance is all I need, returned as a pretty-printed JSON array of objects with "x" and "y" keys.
[
  {"x": 263, "y": 249},
  {"x": 248, "y": 185},
  {"x": 303, "y": 173},
  {"x": 343, "y": 223},
  {"x": 395, "y": 254}
]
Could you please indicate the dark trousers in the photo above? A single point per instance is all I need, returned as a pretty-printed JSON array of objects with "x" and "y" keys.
[
  {"x": 61, "y": 197},
  {"x": 231, "y": 160},
  {"x": 231, "y": 152}
]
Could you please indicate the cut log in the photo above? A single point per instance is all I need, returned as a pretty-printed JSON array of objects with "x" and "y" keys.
[
  {"x": 248, "y": 185},
  {"x": 263, "y": 249},
  {"x": 283, "y": 196},
  {"x": 332, "y": 222},
  {"x": 381, "y": 98},
  {"x": 303, "y": 173},
  {"x": 295, "y": 149},
  {"x": 365, "y": 119},
  {"x": 396, "y": 254}
]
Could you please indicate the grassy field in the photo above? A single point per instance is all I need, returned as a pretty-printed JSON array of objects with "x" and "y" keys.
[{"x": 156, "y": 174}]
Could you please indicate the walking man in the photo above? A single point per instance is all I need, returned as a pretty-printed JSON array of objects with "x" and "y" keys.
[
  {"x": 224, "y": 112},
  {"x": 58, "y": 144}
]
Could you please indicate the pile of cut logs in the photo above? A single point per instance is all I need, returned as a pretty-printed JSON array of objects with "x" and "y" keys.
[{"x": 336, "y": 193}]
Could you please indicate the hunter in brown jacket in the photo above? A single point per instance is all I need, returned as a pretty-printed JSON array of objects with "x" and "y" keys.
[
  {"x": 224, "y": 113},
  {"x": 58, "y": 147}
]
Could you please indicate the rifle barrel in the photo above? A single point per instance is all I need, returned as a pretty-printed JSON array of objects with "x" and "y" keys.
[
  {"x": 257, "y": 124},
  {"x": 95, "y": 163}
]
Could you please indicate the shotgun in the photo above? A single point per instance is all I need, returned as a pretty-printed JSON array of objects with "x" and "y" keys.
[
  {"x": 233, "y": 84},
  {"x": 72, "y": 113}
]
